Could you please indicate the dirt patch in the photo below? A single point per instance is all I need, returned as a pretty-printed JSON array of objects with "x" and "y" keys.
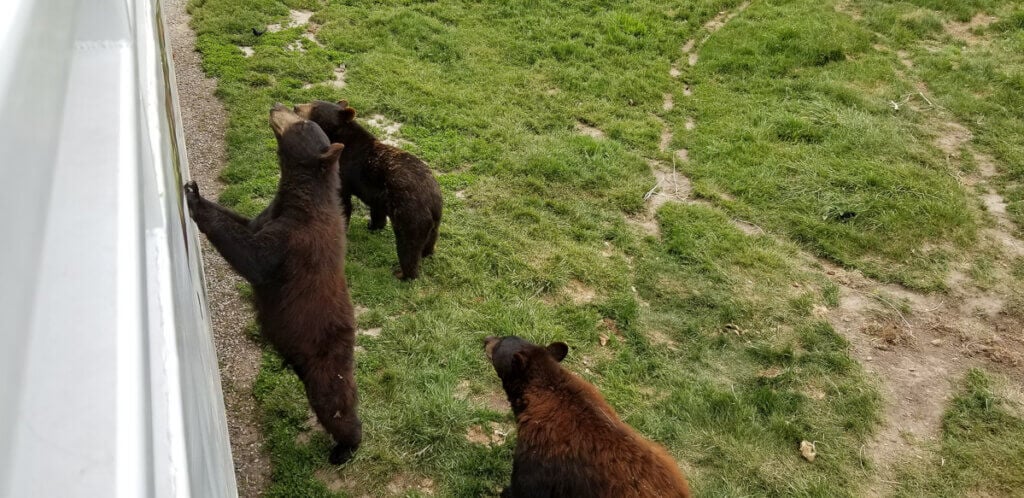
[
  {"x": 662, "y": 339},
  {"x": 204, "y": 120},
  {"x": 918, "y": 347},
  {"x": 688, "y": 46},
  {"x": 845, "y": 7},
  {"x": 403, "y": 483},
  {"x": 579, "y": 292},
  {"x": 247, "y": 51},
  {"x": 690, "y": 124},
  {"x": 312, "y": 37},
  {"x": 589, "y": 131},
  {"x": 674, "y": 72},
  {"x": 723, "y": 17},
  {"x": 310, "y": 427},
  {"x": 748, "y": 227},
  {"x": 671, "y": 185},
  {"x": 338, "y": 482},
  {"x": 687, "y": 90},
  {"x": 339, "y": 76},
  {"x": 389, "y": 128},
  {"x": 966, "y": 31},
  {"x": 952, "y": 138},
  {"x": 490, "y": 399},
  {"x": 666, "y": 102},
  {"x": 299, "y": 17},
  {"x": 666, "y": 139},
  {"x": 490, "y": 434},
  {"x": 692, "y": 59},
  {"x": 374, "y": 332}
]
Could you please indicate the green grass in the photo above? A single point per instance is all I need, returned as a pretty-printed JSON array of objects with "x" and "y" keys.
[
  {"x": 981, "y": 452},
  {"x": 981, "y": 84},
  {"x": 714, "y": 348}
]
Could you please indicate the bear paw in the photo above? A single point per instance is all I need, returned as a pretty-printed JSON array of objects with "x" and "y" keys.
[
  {"x": 341, "y": 454},
  {"x": 193, "y": 198}
]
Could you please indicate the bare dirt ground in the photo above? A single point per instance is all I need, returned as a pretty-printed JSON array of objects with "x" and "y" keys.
[{"x": 205, "y": 121}]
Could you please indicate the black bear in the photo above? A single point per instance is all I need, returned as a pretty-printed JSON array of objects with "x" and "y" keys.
[
  {"x": 293, "y": 254},
  {"x": 393, "y": 183},
  {"x": 570, "y": 442}
]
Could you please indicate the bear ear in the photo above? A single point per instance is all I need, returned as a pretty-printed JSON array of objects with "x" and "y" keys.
[
  {"x": 558, "y": 350},
  {"x": 347, "y": 114},
  {"x": 332, "y": 154},
  {"x": 519, "y": 360},
  {"x": 342, "y": 103}
]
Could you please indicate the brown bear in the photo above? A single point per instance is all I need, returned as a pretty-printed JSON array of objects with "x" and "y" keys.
[
  {"x": 393, "y": 183},
  {"x": 570, "y": 441},
  {"x": 293, "y": 254}
]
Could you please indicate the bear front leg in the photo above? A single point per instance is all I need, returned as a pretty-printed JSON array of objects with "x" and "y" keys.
[
  {"x": 197, "y": 206},
  {"x": 252, "y": 255},
  {"x": 346, "y": 206},
  {"x": 331, "y": 389},
  {"x": 378, "y": 217}
]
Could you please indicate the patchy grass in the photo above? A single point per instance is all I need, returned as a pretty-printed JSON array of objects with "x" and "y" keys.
[
  {"x": 796, "y": 127},
  {"x": 713, "y": 343},
  {"x": 982, "y": 447}
]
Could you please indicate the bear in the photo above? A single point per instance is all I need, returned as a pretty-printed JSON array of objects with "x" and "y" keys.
[
  {"x": 570, "y": 442},
  {"x": 293, "y": 254},
  {"x": 393, "y": 183}
]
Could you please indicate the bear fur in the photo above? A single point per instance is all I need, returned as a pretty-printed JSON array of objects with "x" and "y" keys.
[
  {"x": 393, "y": 183},
  {"x": 570, "y": 442},
  {"x": 293, "y": 254}
]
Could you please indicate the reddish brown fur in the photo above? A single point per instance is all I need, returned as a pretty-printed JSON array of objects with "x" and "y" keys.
[
  {"x": 570, "y": 442},
  {"x": 293, "y": 254}
]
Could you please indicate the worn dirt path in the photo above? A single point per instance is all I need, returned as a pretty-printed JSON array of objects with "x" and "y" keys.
[{"x": 205, "y": 121}]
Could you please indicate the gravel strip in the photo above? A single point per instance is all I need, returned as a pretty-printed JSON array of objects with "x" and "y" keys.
[{"x": 205, "y": 120}]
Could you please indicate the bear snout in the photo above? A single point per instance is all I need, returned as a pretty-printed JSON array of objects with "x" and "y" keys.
[{"x": 490, "y": 342}]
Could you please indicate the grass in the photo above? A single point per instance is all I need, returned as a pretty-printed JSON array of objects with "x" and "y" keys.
[
  {"x": 714, "y": 346},
  {"x": 981, "y": 449}
]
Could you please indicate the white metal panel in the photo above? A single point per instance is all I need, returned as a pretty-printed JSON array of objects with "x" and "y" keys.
[{"x": 112, "y": 381}]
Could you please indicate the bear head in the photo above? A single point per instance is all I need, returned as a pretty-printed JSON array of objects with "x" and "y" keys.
[
  {"x": 517, "y": 360},
  {"x": 301, "y": 145},
  {"x": 337, "y": 120}
]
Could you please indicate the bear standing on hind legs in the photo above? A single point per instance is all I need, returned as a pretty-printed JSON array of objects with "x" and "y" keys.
[
  {"x": 570, "y": 442},
  {"x": 293, "y": 254},
  {"x": 393, "y": 183}
]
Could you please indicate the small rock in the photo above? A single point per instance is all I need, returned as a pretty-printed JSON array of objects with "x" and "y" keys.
[{"x": 936, "y": 342}]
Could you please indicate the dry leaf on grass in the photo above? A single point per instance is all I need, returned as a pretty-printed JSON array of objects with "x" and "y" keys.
[{"x": 808, "y": 451}]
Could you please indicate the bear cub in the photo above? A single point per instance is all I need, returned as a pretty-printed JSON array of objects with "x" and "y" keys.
[
  {"x": 293, "y": 254},
  {"x": 393, "y": 183},
  {"x": 570, "y": 442}
]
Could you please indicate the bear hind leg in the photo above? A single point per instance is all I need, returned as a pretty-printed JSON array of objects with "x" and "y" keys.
[
  {"x": 410, "y": 251},
  {"x": 331, "y": 390},
  {"x": 428, "y": 246}
]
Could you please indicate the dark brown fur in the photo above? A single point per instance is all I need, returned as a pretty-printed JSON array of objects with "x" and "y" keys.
[
  {"x": 393, "y": 183},
  {"x": 293, "y": 254},
  {"x": 570, "y": 442}
]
